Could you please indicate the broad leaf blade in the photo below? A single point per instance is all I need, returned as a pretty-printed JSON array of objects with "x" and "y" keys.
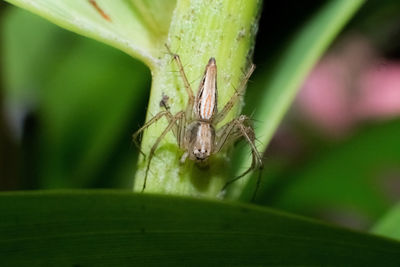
[
  {"x": 120, "y": 229},
  {"x": 122, "y": 24}
]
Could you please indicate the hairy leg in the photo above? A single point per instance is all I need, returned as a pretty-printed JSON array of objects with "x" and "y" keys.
[
  {"x": 179, "y": 129},
  {"x": 189, "y": 90},
  {"x": 158, "y": 116},
  {"x": 229, "y": 105},
  {"x": 230, "y": 133},
  {"x": 171, "y": 124}
]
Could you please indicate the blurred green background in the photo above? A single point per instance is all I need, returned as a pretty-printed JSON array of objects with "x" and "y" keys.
[{"x": 69, "y": 106}]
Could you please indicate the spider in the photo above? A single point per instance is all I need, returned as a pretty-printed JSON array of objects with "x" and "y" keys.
[{"x": 195, "y": 127}]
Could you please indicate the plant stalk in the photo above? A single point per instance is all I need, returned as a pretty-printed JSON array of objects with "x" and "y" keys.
[{"x": 225, "y": 30}]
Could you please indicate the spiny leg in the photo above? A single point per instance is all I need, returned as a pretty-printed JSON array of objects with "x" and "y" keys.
[
  {"x": 253, "y": 165},
  {"x": 171, "y": 124},
  {"x": 230, "y": 133},
  {"x": 156, "y": 117},
  {"x": 179, "y": 132},
  {"x": 189, "y": 90},
  {"x": 177, "y": 129},
  {"x": 257, "y": 184},
  {"x": 249, "y": 135},
  {"x": 229, "y": 105}
]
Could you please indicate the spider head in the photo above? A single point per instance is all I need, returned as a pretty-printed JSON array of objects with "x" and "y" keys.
[
  {"x": 202, "y": 141},
  {"x": 201, "y": 153}
]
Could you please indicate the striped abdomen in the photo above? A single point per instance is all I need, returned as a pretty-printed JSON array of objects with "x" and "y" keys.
[{"x": 206, "y": 101}]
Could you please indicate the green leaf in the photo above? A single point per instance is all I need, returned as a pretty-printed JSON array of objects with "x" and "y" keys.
[
  {"x": 136, "y": 27},
  {"x": 388, "y": 225},
  {"x": 292, "y": 68},
  {"x": 109, "y": 228}
]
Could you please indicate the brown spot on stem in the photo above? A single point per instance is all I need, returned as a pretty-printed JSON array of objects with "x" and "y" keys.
[
  {"x": 102, "y": 13},
  {"x": 164, "y": 101}
]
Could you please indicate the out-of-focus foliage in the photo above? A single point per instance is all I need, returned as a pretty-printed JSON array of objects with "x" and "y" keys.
[
  {"x": 388, "y": 225},
  {"x": 349, "y": 175},
  {"x": 287, "y": 76},
  {"x": 131, "y": 26},
  {"x": 348, "y": 181},
  {"x": 81, "y": 96}
]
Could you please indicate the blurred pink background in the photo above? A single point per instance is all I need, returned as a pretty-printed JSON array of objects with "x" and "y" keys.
[{"x": 350, "y": 85}]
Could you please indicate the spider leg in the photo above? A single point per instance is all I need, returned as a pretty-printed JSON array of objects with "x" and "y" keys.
[
  {"x": 257, "y": 184},
  {"x": 229, "y": 105},
  {"x": 171, "y": 124},
  {"x": 189, "y": 90},
  {"x": 179, "y": 133},
  {"x": 252, "y": 166},
  {"x": 229, "y": 134},
  {"x": 179, "y": 130},
  {"x": 158, "y": 116}
]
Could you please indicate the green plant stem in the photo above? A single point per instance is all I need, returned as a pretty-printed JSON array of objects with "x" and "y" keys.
[{"x": 223, "y": 29}]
